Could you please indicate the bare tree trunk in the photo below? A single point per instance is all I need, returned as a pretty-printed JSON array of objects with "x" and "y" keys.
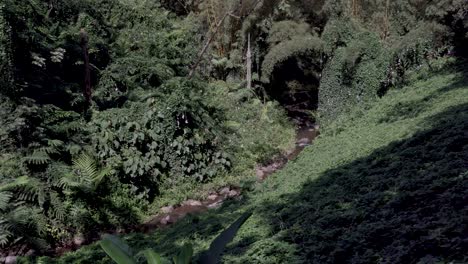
[
  {"x": 87, "y": 72},
  {"x": 215, "y": 32},
  {"x": 249, "y": 65}
]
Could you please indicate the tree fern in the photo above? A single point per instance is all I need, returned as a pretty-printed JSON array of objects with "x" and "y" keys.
[
  {"x": 85, "y": 174},
  {"x": 57, "y": 208},
  {"x": 38, "y": 157}
]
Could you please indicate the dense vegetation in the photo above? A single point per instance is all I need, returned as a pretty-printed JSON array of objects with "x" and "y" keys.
[
  {"x": 111, "y": 109},
  {"x": 385, "y": 186}
]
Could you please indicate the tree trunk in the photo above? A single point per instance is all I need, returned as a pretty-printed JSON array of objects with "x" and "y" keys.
[
  {"x": 249, "y": 65},
  {"x": 87, "y": 71}
]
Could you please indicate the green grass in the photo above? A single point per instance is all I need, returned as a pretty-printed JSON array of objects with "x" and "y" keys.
[{"x": 388, "y": 184}]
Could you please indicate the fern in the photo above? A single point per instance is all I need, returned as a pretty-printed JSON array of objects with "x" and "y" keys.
[
  {"x": 4, "y": 199},
  {"x": 38, "y": 157},
  {"x": 85, "y": 175},
  {"x": 57, "y": 208}
]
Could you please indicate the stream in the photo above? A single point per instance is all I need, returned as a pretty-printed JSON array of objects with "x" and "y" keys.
[{"x": 169, "y": 215}]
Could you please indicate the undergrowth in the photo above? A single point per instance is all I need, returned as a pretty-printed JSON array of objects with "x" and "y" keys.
[{"x": 384, "y": 185}]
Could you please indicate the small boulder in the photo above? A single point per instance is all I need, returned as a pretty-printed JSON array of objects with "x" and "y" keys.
[
  {"x": 260, "y": 173},
  {"x": 11, "y": 259},
  {"x": 191, "y": 202},
  {"x": 215, "y": 205},
  {"x": 165, "y": 220},
  {"x": 233, "y": 193},
  {"x": 167, "y": 209},
  {"x": 225, "y": 191},
  {"x": 213, "y": 197},
  {"x": 79, "y": 240}
]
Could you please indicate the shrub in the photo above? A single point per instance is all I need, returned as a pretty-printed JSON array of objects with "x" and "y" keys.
[
  {"x": 352, "y": 76},
  {"x": 172, "y": 135}
]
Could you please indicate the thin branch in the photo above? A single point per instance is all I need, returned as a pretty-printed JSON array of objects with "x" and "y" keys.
[{"x": 207, "y": 45}]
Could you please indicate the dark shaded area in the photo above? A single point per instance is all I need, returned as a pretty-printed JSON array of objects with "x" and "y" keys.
[
  {"x": 405, "y": 203},
  {"x": 294, "y": 85},
  {"x": 217, "y": 247}
]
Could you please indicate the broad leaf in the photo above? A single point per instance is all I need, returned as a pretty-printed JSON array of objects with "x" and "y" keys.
[{"x": 117, "y": 250}]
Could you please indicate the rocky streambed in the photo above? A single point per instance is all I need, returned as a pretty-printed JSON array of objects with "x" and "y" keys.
[{"x": 171, "y": 214}]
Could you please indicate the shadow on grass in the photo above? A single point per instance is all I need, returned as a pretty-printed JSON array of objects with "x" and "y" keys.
[{"x": 405, "y": 203}]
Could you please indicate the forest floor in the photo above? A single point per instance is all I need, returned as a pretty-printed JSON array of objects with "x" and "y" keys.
[{"x": 384, "y": 184}]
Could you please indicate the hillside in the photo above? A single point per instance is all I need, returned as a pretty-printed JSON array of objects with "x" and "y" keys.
[
  {"x": 386, "y": 185},
  {"x": 164, "y": 121}
]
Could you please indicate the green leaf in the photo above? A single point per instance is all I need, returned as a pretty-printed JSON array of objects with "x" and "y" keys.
[
  {"x": 213, "y": 254},
  {"x": 152, "y": 257},
  {"x": 185, "y": 255},
  {"x": 117, "y": 250}
]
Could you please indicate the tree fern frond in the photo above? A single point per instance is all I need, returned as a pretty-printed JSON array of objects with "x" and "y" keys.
[
  {"x": 38, "y": 157},
  {"x": 33, "y": 191},
  {"x": 5, "y": 232},
  {"x": 18, "y": 182},
  {"x": 85, "y": 166},
  {"x": 57, "y": 207},
  {"x": 4, "y": 200},
  {"x": 101, "y": 175},
  {"x": 54, "y": 143},
  {"x": 73, "y": 148}
]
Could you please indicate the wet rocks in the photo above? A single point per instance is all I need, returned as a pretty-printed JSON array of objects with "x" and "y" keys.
[
  {"x": 303, "y": 142},
  {"x": 215, "y": 205},
  {"x": 191, "y": 202},
  {"x": 79, "y": 240},
  {"x": 165, "y": 220},
  {"x": 225, "y": 191},
  {"x": 167, "y": 209},
  {"x": 260, "y": 173},
  {"x": 213, "y": 197},
  {"x": 11, "y": 259},
  {"x": 233, "y": 193}
]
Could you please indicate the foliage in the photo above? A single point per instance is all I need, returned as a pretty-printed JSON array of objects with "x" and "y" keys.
[
  {"x": 299, "y": 45},
  {"x": 258, "y": 130},
  {"x": 150, "y": 135},
  {"x": 173, "y": 135},
  {"x": 373, "y": 181},
  {"x": 121, "y": 253},
  {"x": 353, "y": 76}
]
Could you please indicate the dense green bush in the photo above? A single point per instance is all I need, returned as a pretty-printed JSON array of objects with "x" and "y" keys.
[
  {"x": 258, "y": 130},
  {"x": 353, "y": 75},
  {"x": 169, "y": 136}
]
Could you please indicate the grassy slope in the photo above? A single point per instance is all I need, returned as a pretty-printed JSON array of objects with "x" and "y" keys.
[{"x": 389, "y": 184}]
